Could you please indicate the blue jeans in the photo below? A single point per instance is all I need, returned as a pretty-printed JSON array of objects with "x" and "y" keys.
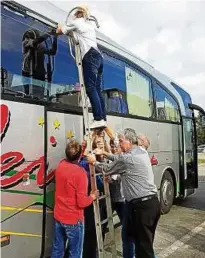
[
  {"x": 92, "y": 71},
  {"x": 73, "y": 234}
]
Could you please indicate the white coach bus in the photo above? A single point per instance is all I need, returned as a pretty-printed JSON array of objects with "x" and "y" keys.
[{"x": 38, "y": 116}]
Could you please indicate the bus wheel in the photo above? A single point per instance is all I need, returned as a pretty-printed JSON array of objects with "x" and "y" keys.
[{"x": 166, "y": 193}]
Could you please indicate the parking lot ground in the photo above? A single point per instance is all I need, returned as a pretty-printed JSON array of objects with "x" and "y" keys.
[{"x": 181, "y": 232}]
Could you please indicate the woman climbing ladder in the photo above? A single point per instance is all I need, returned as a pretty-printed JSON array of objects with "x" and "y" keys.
[{"x": 92, "y": 62}]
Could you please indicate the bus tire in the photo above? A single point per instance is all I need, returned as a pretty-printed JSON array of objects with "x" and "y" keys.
[{"x": 166, "y": 192}]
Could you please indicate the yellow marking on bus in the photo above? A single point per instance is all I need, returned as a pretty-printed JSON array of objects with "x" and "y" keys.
[
  {"x": 8, "y": 208},
  {"x": 19, "y": 234}
]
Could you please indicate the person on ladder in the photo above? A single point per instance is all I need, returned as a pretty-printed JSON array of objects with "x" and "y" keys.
[
  {"x": 92, "y": 62},
  {"x": 34, "y": 51}
]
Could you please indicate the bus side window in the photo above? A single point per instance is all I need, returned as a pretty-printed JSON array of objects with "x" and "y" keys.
[
  {"x": 65, "y": 87},
  {"x": 114, "y": 84},
  {"x": 139, "y": 93},
  {"x": 185, "y": 97},
  {"x": 166, "y": 106},
  {"x": 116, "y": 101},
  {"x": 54, "y": 79},
  {"x": 17, "y": 57},
  {"x": 113, "y": 73}
]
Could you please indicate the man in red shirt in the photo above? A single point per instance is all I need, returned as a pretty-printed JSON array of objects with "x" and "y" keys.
[{"x": 70, "y": 200}]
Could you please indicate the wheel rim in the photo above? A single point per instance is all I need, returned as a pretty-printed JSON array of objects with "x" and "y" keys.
[{"x": 167, "y": 192}]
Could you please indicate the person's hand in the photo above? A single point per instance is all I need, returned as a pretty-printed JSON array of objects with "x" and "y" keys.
[
  {"x": 91, "y": 159},
  {"x": 52, "y": 32},
  {"x": 94, "y": 194},
  {"x": 98, "y": 151},
  {"x": 110, "y": 133},
  {"x": 59, "y": 29},
  {"x": 108, "y": 179}
]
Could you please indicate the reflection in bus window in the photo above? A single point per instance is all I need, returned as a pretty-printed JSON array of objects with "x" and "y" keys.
[
  {"x": 114, "y": 84},
  {"x": 60, "y": 85},
  {"x": 185, "y": 97},
  {"x": 139, "y": 93},
  {"x": 113, "y": 73},
  {"x": 167, "y": 108},
  {"x": 34, "y": 49}
]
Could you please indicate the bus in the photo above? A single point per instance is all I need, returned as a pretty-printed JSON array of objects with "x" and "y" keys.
[{"x": 38, "y": 117}]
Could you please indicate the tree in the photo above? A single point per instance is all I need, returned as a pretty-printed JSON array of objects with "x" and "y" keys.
[{"x": 200, "y": 130}]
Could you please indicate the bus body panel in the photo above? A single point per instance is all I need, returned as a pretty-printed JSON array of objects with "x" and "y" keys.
[
  {"x": 22, "y": 150},
  {"x": 22, "y": 172}
]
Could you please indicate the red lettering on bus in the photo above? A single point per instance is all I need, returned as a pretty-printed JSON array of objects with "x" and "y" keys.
[
  {"x": 10, "y": 160},
  {"x": 37, "y": 164},
  {"x": 5, "y": 116}
]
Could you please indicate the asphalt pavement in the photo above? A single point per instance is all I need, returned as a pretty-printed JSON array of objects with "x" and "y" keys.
[{"x": 181, "y": 232}]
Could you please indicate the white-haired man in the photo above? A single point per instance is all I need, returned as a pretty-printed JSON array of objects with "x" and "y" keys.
[
  {"x": 139, "y": 190},
  {"x": 143, "y": 141},
  {"x": 92, "y": 61}
]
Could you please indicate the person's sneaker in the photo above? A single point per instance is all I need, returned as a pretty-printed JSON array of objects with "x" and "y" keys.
[{"x": 98, "y": 124}]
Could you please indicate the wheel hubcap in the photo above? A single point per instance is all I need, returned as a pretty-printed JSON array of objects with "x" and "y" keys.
[{"x": 167, "y": 192}]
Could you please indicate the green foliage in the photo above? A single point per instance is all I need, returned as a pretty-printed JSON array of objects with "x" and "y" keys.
[{"x": 200, "y": 131}]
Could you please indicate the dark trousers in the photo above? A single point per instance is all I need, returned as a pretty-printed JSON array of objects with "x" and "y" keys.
[
  {"x": 128, "y": 245},
  {"x": 92, "y": 71},
  {"x": 90, "y": 238},
  {"x": 119, "y": 208},
  {"x": 143, "y": 220}
]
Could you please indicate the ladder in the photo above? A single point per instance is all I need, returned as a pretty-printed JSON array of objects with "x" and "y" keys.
[{"x": 93, "y": 174}]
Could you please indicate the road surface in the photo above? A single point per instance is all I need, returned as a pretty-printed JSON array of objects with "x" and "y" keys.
[{"x": 181, "y": 232}]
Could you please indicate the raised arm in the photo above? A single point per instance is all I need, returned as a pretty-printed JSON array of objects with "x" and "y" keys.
[
  {"x": 108, "y": 155},
  {"x": 31, "y": 43},
  {"x": 66, "y": 29},
  {"x": 115, "y": 167}
]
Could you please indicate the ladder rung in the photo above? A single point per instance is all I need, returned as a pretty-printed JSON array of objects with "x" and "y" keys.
[
  {"x": 102, "y": 197},
  {"x": 99, "y": 174},
  {"x": 109, "y": 244},
  {"x": 104, "y": 221}
]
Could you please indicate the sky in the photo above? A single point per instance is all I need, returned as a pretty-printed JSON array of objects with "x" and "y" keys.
[{"x": 170, "y": 35}]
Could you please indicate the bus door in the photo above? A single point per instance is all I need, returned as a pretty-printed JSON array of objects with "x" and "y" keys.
[{"x": 190, "y": 156}]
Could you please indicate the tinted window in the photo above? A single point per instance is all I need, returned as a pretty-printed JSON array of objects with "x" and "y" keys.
[
  {"x": 139, "y": 93},
  {"x": 64, "y": 79},
  {"x": 113, "y": 73},
  {"x": 167, "y": 108},
  {"x": 186, "y": 99},
  {"x": 114, "y": 84}
]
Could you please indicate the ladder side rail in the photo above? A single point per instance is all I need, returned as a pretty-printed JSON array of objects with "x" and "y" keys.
[
  {"x": 83, "y": 96},
  {"x": 96, "y": 205},
  {"x": 110, "y": 216}
]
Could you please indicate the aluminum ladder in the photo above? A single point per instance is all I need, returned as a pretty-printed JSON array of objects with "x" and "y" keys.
[{"x": 93, "y": 174}]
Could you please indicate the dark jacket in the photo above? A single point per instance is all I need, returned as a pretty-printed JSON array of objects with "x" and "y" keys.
[{"x": 34, "y": 51}]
